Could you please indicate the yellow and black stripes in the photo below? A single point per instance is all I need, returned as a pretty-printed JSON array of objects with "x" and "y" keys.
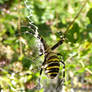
[{"x": 52, "y": 66}]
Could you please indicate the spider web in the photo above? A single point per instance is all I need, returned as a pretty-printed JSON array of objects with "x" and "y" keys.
[{"x": 33, "y": 27}]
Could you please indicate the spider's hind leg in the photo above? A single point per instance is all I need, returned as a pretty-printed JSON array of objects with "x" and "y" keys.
[
  {"x": 61, "y": 81},
  {"x": 39, "y": 79},
  {"x": 41, "y": 70}
]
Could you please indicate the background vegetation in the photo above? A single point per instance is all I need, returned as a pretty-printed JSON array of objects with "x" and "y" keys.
[{"x": 19, "y": 61}]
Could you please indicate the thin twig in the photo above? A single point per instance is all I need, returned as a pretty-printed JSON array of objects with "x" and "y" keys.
[
  {"x": 68, "y": 28},
  {"x": 19, "y": 30},
  {"x": 83, "y": 65}
]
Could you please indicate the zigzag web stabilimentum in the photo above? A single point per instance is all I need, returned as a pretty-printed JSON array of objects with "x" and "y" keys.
[
  {"x": 34, "y": 31},
  {"x": 33, "y": 27}
]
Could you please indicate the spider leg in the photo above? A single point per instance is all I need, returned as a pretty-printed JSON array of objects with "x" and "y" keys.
[
  {"x": 41, "y": 72},
  {"x": 39, "y": 85},
  {"x": 58, "y": 43},
  {"x": 63, "y": 70},
  {"x": 63, "y": 79}
]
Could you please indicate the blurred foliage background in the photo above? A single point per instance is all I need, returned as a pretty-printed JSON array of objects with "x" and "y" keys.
[{"x": 19, "y": 61}]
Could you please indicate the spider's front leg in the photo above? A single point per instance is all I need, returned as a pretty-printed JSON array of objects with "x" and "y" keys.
[{"x": 58, "y": 43}]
